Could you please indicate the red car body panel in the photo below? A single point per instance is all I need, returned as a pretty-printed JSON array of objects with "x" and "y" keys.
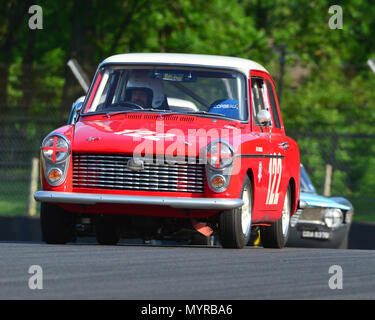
[{"x": 258, "y": 152}]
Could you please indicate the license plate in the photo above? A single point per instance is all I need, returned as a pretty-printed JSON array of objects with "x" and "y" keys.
[{"x": 315, "y": 234}]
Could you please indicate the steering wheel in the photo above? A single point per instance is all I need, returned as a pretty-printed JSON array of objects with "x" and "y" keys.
[{"x": 128, "y": 103}]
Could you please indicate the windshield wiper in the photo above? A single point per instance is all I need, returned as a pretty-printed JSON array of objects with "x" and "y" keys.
[
  {"x": 162, "y": 113},
  {"x": 114, "y": 113},
  {"x": 205, "y": 113},
  {"x": 211, "y": 115}
]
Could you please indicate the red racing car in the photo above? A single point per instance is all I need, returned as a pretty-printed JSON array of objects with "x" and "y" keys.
[{"x": 167, "y": 146}]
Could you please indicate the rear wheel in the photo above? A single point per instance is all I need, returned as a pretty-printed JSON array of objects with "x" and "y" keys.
[
  {"x": 57, "y": 225},
  {"x": 235, "y": 224},
  {"x": 107, "y": 231},
  {"x": 276, "y": 235}
]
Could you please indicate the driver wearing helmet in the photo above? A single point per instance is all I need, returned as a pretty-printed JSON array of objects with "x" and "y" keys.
[
  {"x": 139, "y": 97},
  {"x": 145, "y": 91}
]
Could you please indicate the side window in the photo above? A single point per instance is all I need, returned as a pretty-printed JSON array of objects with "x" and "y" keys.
[
  {"x": 271, "y": 94},
  {"x": 258, "y": 95}
]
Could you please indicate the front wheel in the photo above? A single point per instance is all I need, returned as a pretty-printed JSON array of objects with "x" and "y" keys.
[
  {"x": 57, "y": 225},
  {"x": 276, "y": 235},
  {"x": 235, "y": 224}
]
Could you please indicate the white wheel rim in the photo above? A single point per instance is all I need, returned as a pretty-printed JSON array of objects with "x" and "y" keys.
[
  {"x": 246, "y": 212},
  {"x": 286, "y": 215}
]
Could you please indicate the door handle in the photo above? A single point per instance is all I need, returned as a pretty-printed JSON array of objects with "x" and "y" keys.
[{"x": 284, "y": 145}]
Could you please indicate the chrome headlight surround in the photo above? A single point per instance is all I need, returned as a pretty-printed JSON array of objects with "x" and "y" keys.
[
  {"x": 225, "y": 158},
  {"x": 222, "y": 169},
  {"x": 55, "y": 154},
  {"x": 333, "y": 217}
]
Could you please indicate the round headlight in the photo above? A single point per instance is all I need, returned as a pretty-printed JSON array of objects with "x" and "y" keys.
[
  {"x": 55, "y": 148},
  {"x": 333, "y": 217},
  {"x": 219, "y": 155}
]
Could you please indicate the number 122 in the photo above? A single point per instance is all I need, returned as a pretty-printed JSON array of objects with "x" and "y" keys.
[{"x": 275, "y": 169}]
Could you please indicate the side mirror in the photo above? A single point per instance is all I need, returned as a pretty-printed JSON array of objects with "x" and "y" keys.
[
  {"x": 78, "y": 103},
  {"x": 76, "y": 108},
  {"x": 264, "y": 118}
]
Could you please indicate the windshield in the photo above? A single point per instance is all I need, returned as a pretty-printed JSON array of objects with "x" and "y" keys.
[
  {"x": 306, "y": 184},
  {"x": 208, "y": 92}
]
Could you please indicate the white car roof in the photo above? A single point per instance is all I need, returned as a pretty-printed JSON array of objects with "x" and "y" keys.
[{"x": 243, "y": 65}]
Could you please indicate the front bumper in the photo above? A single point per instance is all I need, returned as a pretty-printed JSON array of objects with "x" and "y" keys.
[
  {"x": 178, "y": 202},
  {"x": 316, "y": 235}
]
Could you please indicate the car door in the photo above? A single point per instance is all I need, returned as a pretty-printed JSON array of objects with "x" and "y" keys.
[
  {"x": 277, "y": 182},
  {"x": 263, "y": 150}
]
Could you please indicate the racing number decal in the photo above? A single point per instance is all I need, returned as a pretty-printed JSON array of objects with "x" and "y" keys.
[{"x": 275, "y": 169}]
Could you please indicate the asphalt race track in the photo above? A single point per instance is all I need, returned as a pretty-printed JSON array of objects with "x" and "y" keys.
[{"x": 90, "y": 271}]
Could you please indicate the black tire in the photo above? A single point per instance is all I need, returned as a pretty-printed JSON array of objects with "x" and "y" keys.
[
  {"x": 230, "y": 228},
  {"x": 57, "y": 225},
  {"x": 107, "y": 231},
  {"x": 273, "y": 236}
]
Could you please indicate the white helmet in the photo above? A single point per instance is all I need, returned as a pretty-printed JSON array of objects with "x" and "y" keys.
[{"x": 140, "y": 79}]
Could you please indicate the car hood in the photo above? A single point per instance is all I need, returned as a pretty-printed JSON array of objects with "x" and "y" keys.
[
  {"x": 315, "y": 200},
  {"x": 168, "y": 135}
]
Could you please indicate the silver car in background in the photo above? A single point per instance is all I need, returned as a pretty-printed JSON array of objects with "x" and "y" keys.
[{"x": 324, "y": 222}]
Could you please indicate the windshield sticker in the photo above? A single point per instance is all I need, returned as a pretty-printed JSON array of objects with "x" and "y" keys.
[{"x": 173, "y": 76}]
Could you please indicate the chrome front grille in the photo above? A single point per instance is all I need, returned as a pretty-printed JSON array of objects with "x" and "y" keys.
[{"x": 109, "y": 171}]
